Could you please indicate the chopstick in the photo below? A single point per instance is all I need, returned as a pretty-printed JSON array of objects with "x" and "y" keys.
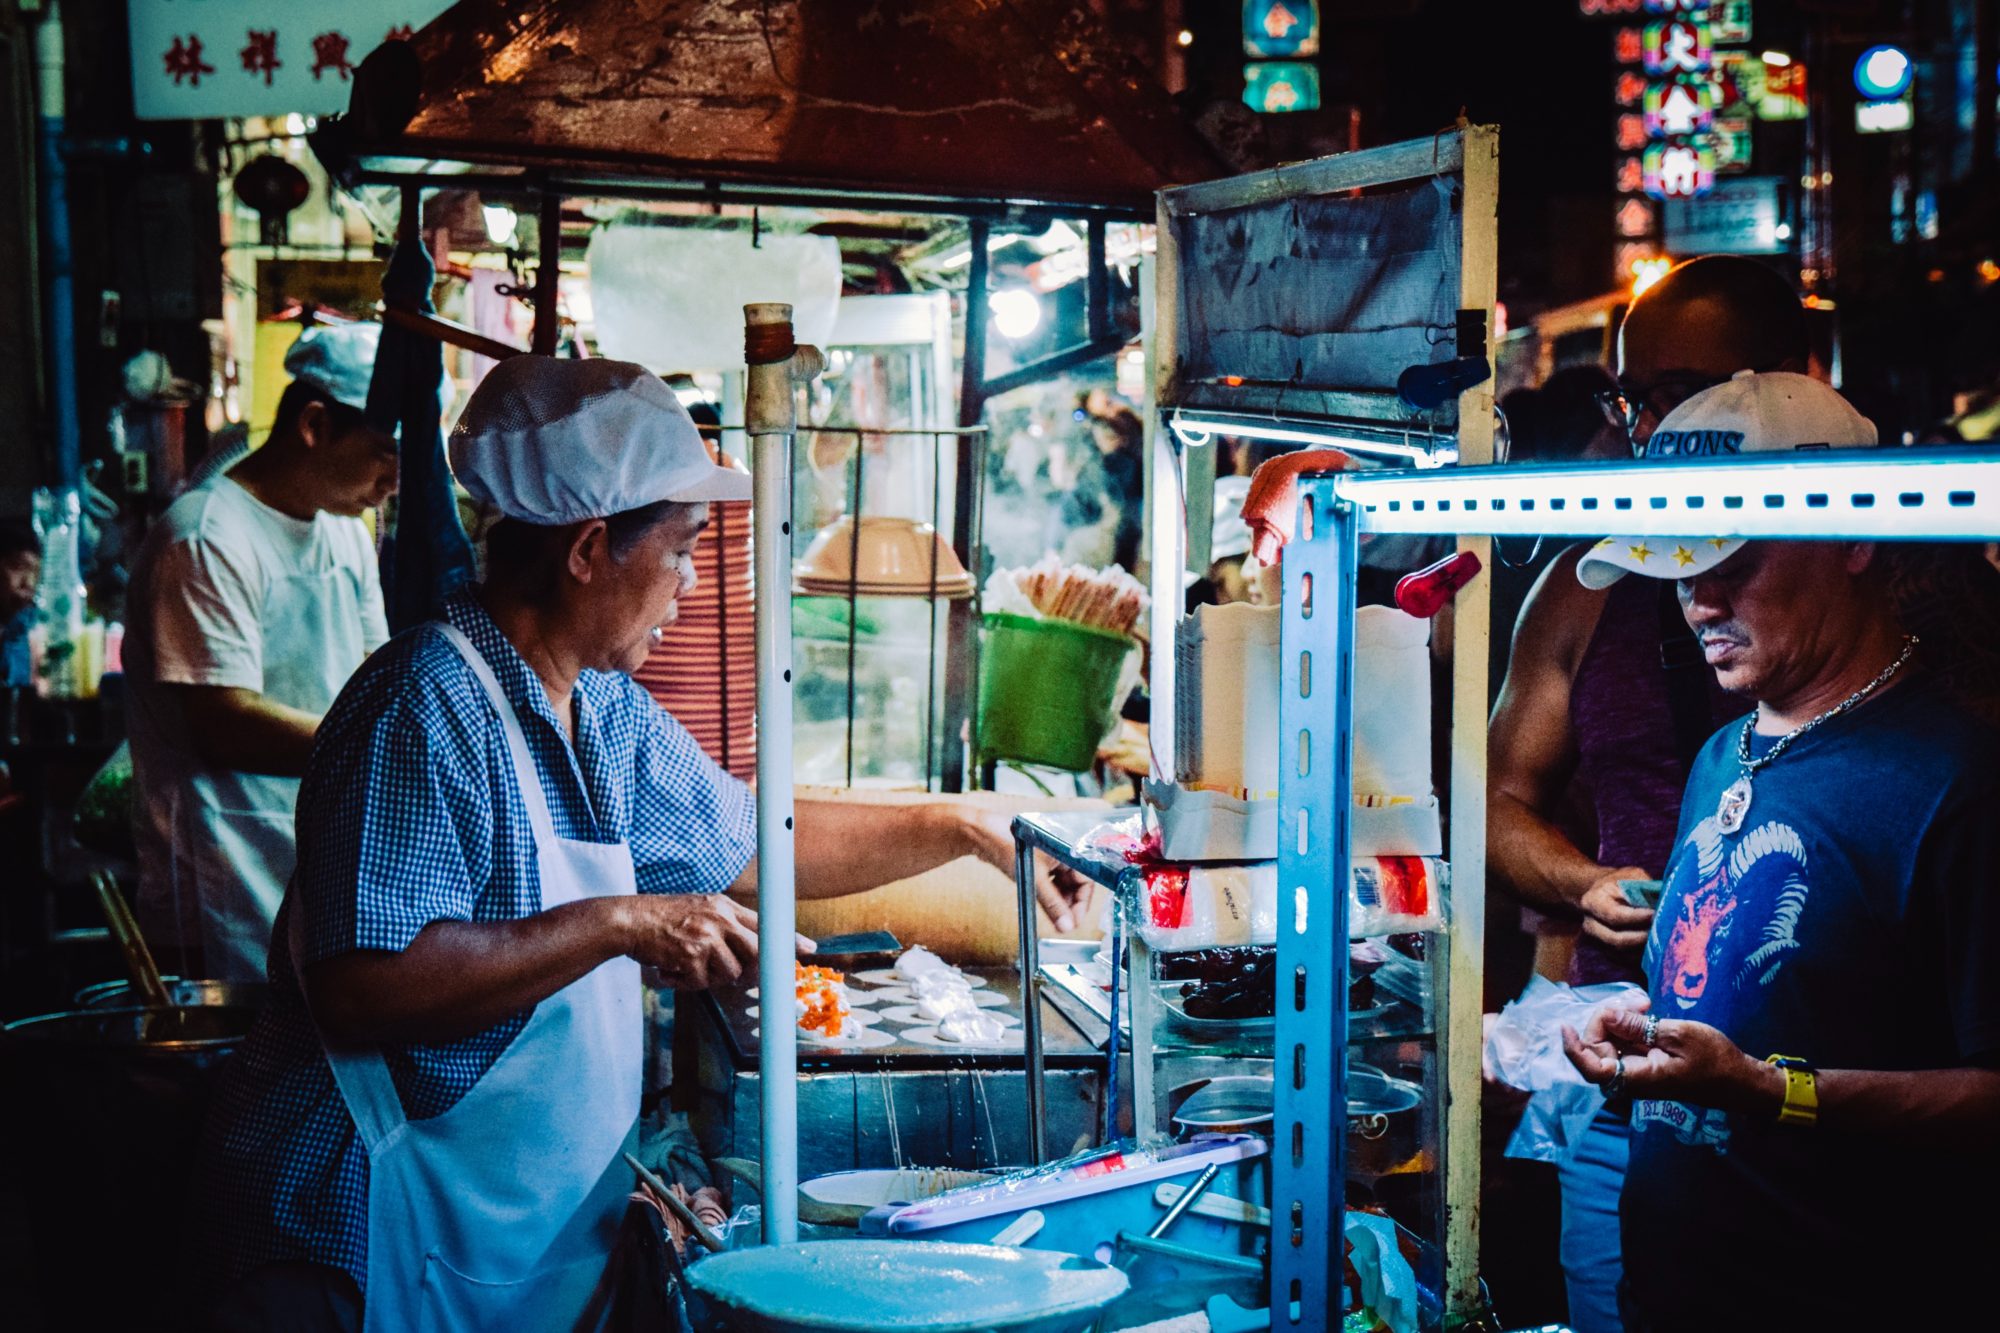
[
  {"x": 665, "y": 1195},
  {"x": 125, "y": 931}
]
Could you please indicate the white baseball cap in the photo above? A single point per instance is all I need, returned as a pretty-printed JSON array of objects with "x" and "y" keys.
[
  {"x": 1751, "y": 412},
  {"x": 553, "y": 440},
  {"x": 336, "y": 359}
]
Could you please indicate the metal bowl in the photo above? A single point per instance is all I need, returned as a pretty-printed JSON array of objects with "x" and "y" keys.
[
  {"x": 193, "y": 993},
  {"x": 196, "y": 1030}
]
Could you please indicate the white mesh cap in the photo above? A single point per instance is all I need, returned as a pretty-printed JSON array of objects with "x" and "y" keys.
[
  {"x": 1746, "y": 414},
  {"x": 551, "y": 440},
  {"x": 336, "y": 359}
]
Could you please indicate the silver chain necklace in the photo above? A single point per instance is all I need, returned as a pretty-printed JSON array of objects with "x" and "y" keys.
[{"x": 1734, "y": 807}]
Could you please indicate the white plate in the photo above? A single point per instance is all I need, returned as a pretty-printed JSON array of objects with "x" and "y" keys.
[
  {"x": 860, "y": 1039},
  {"x": 857, "y": 998},
  {"x": 889, "y": 976},
  {"x": 907, "y": 1013},
  {"x": 1012, "y": 1039},
  {"x": 985, "y": 999}
]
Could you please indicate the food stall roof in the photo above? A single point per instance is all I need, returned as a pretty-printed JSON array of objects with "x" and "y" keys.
[{"x": 967, "y": 104}]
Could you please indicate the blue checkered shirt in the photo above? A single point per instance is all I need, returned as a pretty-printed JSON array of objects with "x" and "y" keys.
[{"x": 410, "y": 813}]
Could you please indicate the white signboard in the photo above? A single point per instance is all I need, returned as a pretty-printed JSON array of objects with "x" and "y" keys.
[
  {"x": 205, "y": 59},
  {"x": 1740, "y": 216}
]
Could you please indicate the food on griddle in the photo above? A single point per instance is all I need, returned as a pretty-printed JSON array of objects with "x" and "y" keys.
[{"x": 822, "y": 999}]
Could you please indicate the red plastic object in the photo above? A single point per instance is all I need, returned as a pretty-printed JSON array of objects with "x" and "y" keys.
[{"x": 1424, "y": 593}]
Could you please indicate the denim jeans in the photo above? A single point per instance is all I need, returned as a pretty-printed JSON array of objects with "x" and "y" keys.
[{"x": 1592, "y": 1180}]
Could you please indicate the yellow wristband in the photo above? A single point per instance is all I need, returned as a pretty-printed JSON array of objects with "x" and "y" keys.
[{"x": 1801, "y": 1091}]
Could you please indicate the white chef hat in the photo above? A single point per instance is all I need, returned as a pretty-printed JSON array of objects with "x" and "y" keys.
[{"x": 553, "y": 440}]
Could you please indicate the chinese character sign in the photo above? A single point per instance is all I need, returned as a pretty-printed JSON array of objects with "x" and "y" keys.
[
  {"x": 1679, "y": 170},
  {"x": 1677, "y": 47},
  {"x": 202, "y": 59},
  {"x": 1281, "y": 85},
  {"x": 1281, "y": 29}
]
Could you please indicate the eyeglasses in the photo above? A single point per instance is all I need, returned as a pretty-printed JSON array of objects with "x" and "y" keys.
[{"x": 1625, "y": 405}]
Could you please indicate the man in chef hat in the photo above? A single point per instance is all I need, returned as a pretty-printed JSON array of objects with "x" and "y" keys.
[{"x": 498, "y": 828}]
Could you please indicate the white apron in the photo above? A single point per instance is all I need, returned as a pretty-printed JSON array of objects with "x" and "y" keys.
[
  {"x": 502, "y": 1212},
  {"x": 233, "y": 834}
]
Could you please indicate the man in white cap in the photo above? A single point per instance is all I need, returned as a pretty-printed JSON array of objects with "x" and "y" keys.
[
  {"x": 1815, "y": 1076},
  {"x": 497, "y": 830},
  {"x": 253, "y": 598}
]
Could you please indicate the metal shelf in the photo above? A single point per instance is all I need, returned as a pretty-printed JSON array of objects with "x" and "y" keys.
[{"x": 1849, "y": 494}]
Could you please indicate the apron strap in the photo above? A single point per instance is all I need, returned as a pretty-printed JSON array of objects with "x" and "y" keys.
[
  {"x": 362, "y": 1075},
  {"x": 525, "y": 776}
]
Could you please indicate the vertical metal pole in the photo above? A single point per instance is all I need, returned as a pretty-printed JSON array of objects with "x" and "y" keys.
[
  {"x": 768, "y": 415},
  {"x": 1097, "y": 293},
  {"x": 548, "y": 273},
  {"x": 1315, "y": 798},
  {"x": 1031, "y": 1001},
  {"x": 961, "y": 665},
  {"x": 58, "y": 272}
]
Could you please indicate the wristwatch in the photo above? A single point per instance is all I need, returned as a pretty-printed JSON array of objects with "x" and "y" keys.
[{"x": 1801, "y": 1091}]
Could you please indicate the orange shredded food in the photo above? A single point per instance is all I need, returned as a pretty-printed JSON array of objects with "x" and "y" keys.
[{"x": 819, "y": 992}]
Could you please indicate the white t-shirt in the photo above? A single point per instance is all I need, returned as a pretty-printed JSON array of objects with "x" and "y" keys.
[{"x": 227, "y": 591}]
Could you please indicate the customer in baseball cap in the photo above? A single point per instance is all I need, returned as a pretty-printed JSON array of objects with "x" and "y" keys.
[{"x": 1750, "y": 413}]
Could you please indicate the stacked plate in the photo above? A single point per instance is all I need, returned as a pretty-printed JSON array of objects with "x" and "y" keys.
[
  {"x": 891, "y": 557},
  {"x": 703, "y": 671}
]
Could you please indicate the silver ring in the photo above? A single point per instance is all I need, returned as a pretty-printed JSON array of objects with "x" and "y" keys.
[
  {"x": 1649, "y": 1032},
  {"x": 1615, "y": 1085}
]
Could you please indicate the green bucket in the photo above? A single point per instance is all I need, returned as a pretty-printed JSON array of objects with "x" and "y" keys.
[{"x": 1047, "y": 690}]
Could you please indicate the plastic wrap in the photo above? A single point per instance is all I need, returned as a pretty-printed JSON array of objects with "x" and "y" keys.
[{"x": 1524, "y": 1050}]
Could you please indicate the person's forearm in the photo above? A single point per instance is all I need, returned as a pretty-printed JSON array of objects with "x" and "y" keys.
[
  {"x": 1530, "y": 856},
  {"x": 844, "y": 848},
  {"x": 458, "y": 978},
  {"x": 248, "y": 732},
  {"x": 1945, "y": 1102}
]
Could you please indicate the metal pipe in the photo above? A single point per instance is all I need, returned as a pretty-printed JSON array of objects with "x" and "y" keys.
[
  {"x": 57, "y": 266},
  {"x": 769, "y": 416},
  {"x": 548, "y": 275},
  {"x": 961, "y": 663},
  {"x": 1186, "y": 1201},
  {"x": 1031, "y": 1000}
]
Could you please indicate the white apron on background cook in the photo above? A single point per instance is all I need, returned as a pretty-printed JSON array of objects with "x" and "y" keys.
[
  {"x": 232, "y": 837},
  {"x": 502, "y": 1212}
]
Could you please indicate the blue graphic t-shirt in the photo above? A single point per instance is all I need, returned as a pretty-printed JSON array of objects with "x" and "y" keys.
[{"x": 1853, "y": 921}]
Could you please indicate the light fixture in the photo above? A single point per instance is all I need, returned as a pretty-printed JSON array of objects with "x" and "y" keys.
[
  {"x": 1777, "y": 58},
  {"x": 500, "y": 222},
  {"x": 1184, "y": 37},
  {"x": 1883, "y": 71},
  {"x": 1197, "y": 429},
  {"x": 1016, "y": 312},
  {"x": 1782, "y": 232}
]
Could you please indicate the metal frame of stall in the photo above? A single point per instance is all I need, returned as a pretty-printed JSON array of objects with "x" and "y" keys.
[{"x": 1101, "y": 335}]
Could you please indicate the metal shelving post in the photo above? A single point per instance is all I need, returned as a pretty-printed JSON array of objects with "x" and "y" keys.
[{"x": 1315, "y": 801}]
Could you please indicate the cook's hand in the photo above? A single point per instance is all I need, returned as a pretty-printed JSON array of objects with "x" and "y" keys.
[
  {"x": 1063, "y": 893},
  {"x": 695, "y": 941},
  {"x": 1608, "y": 918},
  {"x": 1684, "y": 1061}
]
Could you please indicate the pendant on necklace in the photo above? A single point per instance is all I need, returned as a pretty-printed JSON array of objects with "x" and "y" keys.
[{"x": 1734, "y": 806}]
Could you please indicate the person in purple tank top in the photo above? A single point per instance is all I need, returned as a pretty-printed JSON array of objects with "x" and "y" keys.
[{"x": 1609, "y": 685}]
